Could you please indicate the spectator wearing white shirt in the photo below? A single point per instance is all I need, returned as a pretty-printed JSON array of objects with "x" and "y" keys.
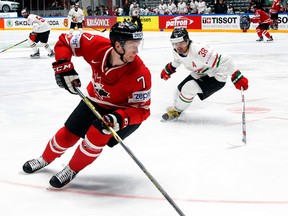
[
  {"x": 201, "y": 7},
  {"x": 182, "y": 7},
  {"x": 193, "y": 7},
  {"x": 162, "y": 8},
  {"x": 171, "y": 7}
]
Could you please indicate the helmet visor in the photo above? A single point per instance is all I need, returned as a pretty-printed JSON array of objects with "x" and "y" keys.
[{"x": 133, "y": 46}]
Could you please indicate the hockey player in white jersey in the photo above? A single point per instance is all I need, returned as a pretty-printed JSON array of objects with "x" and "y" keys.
[
  {"x": 209, "y": 71},
  {"x": 76, "y": 17},
  {"x": 40, "y": 33}
]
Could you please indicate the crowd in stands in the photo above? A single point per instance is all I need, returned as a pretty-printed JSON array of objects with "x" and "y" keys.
[
  {"x": 165, "y": 7},
  {"x": 169, "y": 7}
]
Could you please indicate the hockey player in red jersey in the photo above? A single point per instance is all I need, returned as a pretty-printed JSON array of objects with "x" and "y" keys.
[
  {"x": 119, "y": 89},
  {"x": 274, "y": 10},
  {"x": 264, "y": 21}
]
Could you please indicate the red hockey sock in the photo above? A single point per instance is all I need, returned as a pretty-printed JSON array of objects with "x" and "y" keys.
[
  {"x": 62, "y": 140},
  {"x": 259, "y": 33},
  {"x": 89, "y": 149}
]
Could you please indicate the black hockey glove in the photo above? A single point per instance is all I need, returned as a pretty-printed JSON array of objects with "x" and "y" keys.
[
  {"x": 113, "y": 120},
  {"x": 65, "y": 75}
]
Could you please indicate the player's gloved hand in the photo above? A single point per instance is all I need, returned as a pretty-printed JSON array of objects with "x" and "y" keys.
[
  {"x": 167, "y": 71},
  {"x": 32, "y": 36},
  {"x": 254, "y": 20},
  {"x": 113, "y": 120},
  {"x": 65, "y": 75},
  {"x": 74, "y": 19},
  {"x": 239, "y": 80}
]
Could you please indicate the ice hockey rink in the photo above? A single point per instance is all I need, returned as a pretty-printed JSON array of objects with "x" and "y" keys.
[{"x": 194, "y": 159}]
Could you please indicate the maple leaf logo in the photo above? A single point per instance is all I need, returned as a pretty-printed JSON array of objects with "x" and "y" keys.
[{"x": 99, "y": 88}]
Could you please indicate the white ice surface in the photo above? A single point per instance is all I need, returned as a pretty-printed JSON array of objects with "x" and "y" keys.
[{"x": 192, "y": 159}]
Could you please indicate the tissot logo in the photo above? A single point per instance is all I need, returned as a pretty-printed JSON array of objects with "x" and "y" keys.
[
  {"x": 283, "y": 20},
  {"x": 179, "y": 21},
  {"x": 219, "y": 20}
]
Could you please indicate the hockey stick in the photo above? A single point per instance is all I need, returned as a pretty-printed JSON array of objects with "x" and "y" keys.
[
  {"x": 13, "y": 45},
  {"x": 243, "y": 118},
  {"x": 119, "y": 140},
  {"x": 99, "y": 29}
]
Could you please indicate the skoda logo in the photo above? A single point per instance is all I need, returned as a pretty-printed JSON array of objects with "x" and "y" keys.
[{"x": 9, "y": 23}]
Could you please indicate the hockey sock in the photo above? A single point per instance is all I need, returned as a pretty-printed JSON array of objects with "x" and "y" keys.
[
  {"x": 47, "y": 47},
  {"x": 259, "y": 33},
  {"x": 89, "y": 149},
  {"x": 267, "y": 34},
  {"x": 59, "y": 143},
  {"x": 33, "y": 46}
]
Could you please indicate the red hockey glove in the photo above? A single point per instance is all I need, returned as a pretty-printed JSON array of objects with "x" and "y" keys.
[
  {"x": 65, "y": 75},
  {"x": 33, "y": 36},
  {"x": 113, "y": 120},
  {"x": 239, "y": 80},
  {"x": 254, "y": 20},
  {"x": 167, "y": 71}
]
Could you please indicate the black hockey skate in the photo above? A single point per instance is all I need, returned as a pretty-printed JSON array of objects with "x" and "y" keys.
[
  {"x": 260, "y": 39},
  {"x": 35, "y": 164},
  {"x": 270, "y": 39},
  {"x": 63, "y": 177},
  {"x": 51, "y": 54},
  {"x": 35, "y": 55}
]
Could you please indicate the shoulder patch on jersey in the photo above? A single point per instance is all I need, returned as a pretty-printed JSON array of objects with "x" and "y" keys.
[
  {"x": 140, "y": 96},
  {"x": 75, "y": 41}
]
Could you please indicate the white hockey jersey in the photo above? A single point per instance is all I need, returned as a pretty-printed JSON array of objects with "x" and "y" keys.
[
  {"x": 38, "y": 23},
  {"x": 202, "y": 61},
  {"x": 76, "y": 16}
]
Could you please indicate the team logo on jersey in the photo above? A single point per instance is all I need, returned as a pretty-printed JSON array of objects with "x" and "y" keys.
[
  {"x": 99, "y": 90},
  {"x": 140, "y": 96}
]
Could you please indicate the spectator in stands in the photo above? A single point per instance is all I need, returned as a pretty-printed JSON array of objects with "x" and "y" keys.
[
  {"x": 258, "y": 3},
  {"x": 97, "y": 11},
  {"x": 230, "y": 9},
  {"x": 182, "y": 7},
  {"x": 89, "y": 11},
  {"x": 126, "y": 8},
  {"x": 118, "y": 11},
  {"x": 171, "y": 7},
  {"x": 220, "y": 7},
  {"x": 201, "y": 7},
  {"x": 162, "y": 8},
  {"x": 193, "y": 7}
]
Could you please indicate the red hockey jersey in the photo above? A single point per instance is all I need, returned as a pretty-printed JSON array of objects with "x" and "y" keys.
[
  {"x": 276, "y": 7},
  {"x": 126, "y": 87},
  {"x": 261, "y": 17}
]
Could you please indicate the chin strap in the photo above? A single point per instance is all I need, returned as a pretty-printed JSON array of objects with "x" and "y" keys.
[{"x": 122, "y": 43}]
